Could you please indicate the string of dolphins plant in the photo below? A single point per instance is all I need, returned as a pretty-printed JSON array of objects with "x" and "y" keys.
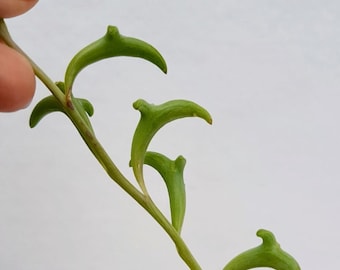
[{"x": 152, "y": 118}]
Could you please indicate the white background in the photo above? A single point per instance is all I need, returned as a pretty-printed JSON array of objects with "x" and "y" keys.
[{"x": 268, "y": 72}]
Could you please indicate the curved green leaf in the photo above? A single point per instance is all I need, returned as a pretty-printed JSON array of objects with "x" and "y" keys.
[
  {"x": 44, "y": 107},
  {"x": 86, "y": 105},
  {"x": 172, "y": 174},
  {"x": 85, "y": 109},
  {"x": 110, "y": 45},
  {"x": 269, "y": 254},
  {"x": 50, "y": 104},
  {"x": 153, "y": 117}
]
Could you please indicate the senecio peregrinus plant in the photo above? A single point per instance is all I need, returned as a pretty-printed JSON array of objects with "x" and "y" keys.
[{"x": 153, "y": 117}]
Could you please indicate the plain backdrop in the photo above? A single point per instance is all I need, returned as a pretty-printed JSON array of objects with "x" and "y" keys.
[{"x": 267, "y": 71}]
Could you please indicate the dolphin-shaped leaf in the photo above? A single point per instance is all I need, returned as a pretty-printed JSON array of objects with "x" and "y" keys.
[
  {"x": 110, "y": 45},
  {"x": 153, "y": 117},
  {"x": 172, "y": 174},
  {"x": 268, "y": 254},
  {"x": 50, "y": 104},
  {"x": 44, "y": 107}
]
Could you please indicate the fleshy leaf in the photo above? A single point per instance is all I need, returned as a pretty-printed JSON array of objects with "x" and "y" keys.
[
  {"x": 86, "y": 105},
  {"x": 172, "y": 174},
  {"x": 85, "y": 109},
  {"x": 268, "y": 254},
  {"x": 83, "y": 106},
  {"x": 110, "y": 45},
  {"x": 153, "y": 117},
  {"x": 44, "y": 107},
  {"x": 50, "y": 104}
]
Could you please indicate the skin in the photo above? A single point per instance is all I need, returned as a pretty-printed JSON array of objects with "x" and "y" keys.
[
  {"x": 17, "y": 80},
  {"x": 12, "y": 8}
]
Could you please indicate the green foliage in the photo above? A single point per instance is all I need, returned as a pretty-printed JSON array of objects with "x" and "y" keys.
[
  {"x": 172, "y": 174},
  {"x": 51, "y": 104},
  {"x": 268, "y": 254},
  {"x": 110, "y": 45},
  {"x": 44, "y": 107},
  {"x": 153, "y": 118}
]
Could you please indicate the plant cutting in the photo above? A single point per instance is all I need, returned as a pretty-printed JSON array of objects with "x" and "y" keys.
[{"x": 64, "y": 98}]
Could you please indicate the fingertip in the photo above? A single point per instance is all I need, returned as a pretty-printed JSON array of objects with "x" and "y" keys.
[
  {"x": 17, "y": 80},
  {"x": 12, "y": 8}
]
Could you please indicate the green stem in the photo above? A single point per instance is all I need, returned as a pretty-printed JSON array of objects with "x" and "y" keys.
[{"x": 104, "y": 159}]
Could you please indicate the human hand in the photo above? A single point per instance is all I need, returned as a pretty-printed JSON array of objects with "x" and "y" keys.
[{"x": 17, "y": 79}]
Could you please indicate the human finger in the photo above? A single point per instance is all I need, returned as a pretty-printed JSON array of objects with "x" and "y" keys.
[
  {"x": 12, "y": 8},
  {"x": 17, "y": 80}
]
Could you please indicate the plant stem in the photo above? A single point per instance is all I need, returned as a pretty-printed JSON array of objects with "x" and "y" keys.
[{"x": 103, "y": 158}]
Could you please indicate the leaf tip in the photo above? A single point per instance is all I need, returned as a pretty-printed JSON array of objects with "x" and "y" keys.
[{"x": 140, "y": 104}]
